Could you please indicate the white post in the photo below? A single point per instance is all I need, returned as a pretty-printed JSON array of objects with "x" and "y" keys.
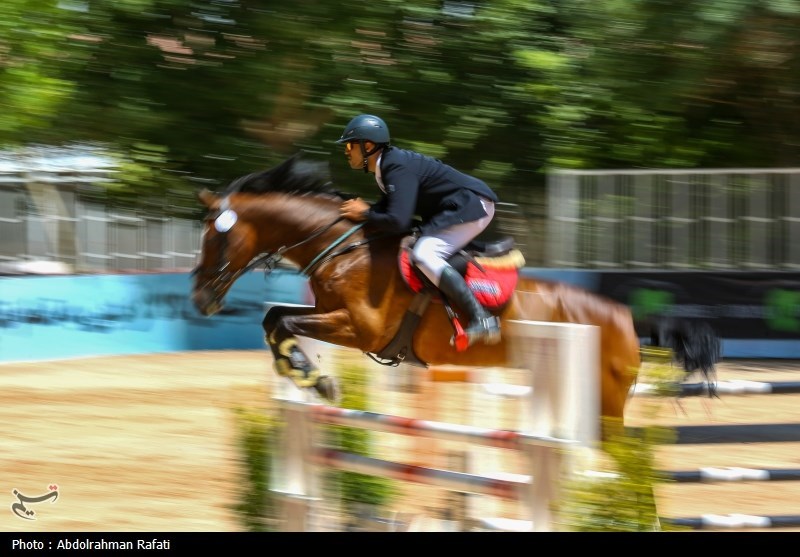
[
  {"x": 294, "y": 480},
  {"x": 563, "y": 370}
]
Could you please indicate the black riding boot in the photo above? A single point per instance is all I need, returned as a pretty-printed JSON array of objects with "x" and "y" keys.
[{"x": 482, "y": 325}]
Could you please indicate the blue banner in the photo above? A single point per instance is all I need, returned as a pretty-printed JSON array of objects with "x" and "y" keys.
[{"x": 75, "y": 316}]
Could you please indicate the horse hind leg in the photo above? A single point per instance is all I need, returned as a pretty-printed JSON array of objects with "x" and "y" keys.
[
  {"x": 618, "y": 376},
  {"x": 615, "y": 384}
]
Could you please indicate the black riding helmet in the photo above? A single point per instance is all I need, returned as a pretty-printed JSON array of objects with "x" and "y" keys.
[{"x": 366, "y": 127}]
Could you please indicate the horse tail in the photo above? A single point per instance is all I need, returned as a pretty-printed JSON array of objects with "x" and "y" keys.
[{"x": 694, "y": 345}]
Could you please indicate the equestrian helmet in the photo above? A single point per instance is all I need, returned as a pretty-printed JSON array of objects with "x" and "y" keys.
[{"x": 366, "y": 127}]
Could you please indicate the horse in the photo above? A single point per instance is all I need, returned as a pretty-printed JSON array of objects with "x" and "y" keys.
[{"x": 364, "y": 300}]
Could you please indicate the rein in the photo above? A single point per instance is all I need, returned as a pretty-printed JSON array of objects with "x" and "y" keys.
[
  {"x": 319, "y": 258},
  {"x": 271, "y": 259},
  {"x": 348, "y": 247}
]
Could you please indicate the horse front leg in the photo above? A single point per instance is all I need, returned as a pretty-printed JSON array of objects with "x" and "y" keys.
[
  {"x": 289, "y": 360},
  {"x": 282, "y": 324}
]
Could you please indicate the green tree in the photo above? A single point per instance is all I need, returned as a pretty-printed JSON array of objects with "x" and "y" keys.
[
  {"x": 192, "y": 93},
  {"x": 679, "y": 84}
]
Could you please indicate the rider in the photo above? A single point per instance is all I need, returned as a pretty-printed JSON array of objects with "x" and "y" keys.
[{"x": 454, "y": 208}]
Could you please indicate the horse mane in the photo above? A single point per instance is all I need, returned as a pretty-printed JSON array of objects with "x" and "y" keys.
[{"x": 294, "y": 175}]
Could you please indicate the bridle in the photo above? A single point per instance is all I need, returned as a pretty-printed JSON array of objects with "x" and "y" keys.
[{"x": 222, "y": 277}]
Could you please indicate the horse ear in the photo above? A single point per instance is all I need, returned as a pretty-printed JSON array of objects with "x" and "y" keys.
[{"x": 206, "y": 197}]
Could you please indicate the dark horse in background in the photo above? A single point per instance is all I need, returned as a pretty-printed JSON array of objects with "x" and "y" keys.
[{"x": 364, "y": 301}]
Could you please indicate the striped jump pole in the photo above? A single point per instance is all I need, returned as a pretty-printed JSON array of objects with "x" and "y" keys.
[
  {"x": 735, "y": 387},
  {"x": 732, "y": 474},
  {"x": 439, "y": 430},
  {"x": 457, "y": 481},
  {"x": 732, "y": 433},
  {"x": 734, "y": 521}
]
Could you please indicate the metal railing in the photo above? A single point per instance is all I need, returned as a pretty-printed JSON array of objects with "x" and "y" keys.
[
  {"x": 61, "y": 218},
  {"x": 737, "y": 219},
  {"x": 712, "y": 219}
]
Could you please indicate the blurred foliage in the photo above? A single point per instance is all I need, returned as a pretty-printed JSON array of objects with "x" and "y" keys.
[
  {"x": 257, "y": 434},
  {"x": 621, "y": 497},
  {"x": 220, "y": 88}
]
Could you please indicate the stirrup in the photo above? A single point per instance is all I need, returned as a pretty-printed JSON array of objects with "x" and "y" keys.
[{"x": 486, "y": 329}]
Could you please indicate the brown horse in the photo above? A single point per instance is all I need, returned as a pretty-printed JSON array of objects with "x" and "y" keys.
[{"x": 361, "y": 296}]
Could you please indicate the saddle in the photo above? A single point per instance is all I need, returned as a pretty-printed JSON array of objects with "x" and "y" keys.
[{"x": 490, "y": 269}]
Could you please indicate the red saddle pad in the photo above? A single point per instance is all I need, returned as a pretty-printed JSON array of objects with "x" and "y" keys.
[{"x": 492, "y": 286}]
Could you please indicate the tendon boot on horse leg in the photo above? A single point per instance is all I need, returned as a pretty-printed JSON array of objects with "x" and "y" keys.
[
  {"x": 482, "y": 324},
  {"x": 292, "y": 362},
  {"x": 289, "y": 360}
]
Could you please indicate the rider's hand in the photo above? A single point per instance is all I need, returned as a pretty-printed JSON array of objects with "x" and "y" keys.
[{"x": 354, "y": 209}]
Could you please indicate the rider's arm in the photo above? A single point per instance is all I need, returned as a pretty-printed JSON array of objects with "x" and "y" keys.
[{"x": 396, "y": 208}]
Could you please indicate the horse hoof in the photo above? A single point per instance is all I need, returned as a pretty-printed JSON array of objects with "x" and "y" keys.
[{"x": 328, "y": 388}]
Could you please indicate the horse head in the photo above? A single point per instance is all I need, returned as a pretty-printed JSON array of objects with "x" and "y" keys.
[
  {"x": 259, "y": 218},
  {"x": 227, "y": 249}
]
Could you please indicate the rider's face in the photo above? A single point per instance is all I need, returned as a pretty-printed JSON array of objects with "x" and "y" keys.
[{"x": 352, "y": 150}]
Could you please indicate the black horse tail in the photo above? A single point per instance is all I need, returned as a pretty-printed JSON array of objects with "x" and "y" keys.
[{"x": 694, "y": 345}]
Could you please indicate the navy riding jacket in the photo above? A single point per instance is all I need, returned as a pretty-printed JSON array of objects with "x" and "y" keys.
[{"x": 437, "y": 193}]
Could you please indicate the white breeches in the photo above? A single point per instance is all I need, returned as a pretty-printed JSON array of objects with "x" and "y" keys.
[{"x": 431, "y": 253}]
